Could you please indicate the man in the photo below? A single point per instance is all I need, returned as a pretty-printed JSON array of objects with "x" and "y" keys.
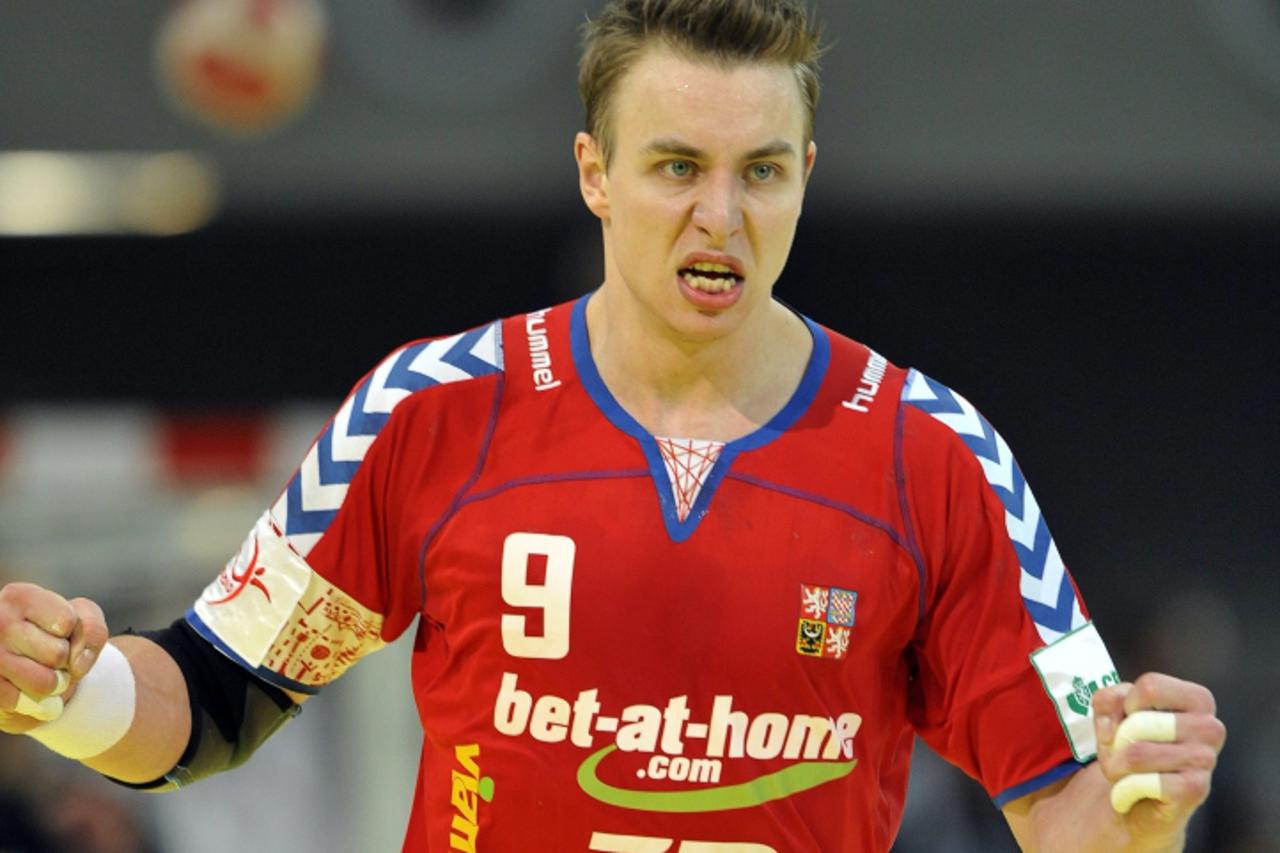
[{"x": 690, "y": 571}]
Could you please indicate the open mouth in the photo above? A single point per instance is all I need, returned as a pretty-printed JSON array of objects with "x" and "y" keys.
[{"x": 710, "y": 277}]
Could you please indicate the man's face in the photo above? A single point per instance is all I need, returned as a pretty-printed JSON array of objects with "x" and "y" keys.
[{"x": 701, "y": 199}]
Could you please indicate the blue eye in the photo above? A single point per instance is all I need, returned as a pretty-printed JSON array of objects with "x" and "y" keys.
[
  {"x": 763, "y": 171},
  {"x": 678, "y": 168}
]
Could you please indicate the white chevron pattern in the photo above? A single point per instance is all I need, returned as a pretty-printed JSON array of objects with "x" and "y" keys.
[
  {"x": 347, "y": 447},
  {"x": 313, "y": 497},
  {"x": 1043, "y": 580}
]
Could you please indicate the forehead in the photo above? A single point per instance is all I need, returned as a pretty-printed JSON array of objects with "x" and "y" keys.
[{"x": 707, "y": 104}]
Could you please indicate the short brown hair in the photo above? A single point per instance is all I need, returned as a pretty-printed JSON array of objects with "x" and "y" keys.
[{"x": 727, "y": 31}]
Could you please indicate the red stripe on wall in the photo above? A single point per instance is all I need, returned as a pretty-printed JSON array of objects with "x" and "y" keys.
[{"x": 213, "y": 446}]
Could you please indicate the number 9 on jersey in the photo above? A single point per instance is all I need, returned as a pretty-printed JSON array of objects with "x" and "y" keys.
[{"x": 551, "y": 596}]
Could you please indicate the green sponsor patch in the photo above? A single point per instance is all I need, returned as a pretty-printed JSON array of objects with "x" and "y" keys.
[{"x": 1072, "y": 669}]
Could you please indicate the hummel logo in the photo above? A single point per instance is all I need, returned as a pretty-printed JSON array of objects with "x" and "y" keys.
[
  {"x": 872, "y": 376},
  {"x": 539, "y": 352}
]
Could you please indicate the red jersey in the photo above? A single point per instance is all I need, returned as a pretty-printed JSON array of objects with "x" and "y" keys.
[{"x": 639, "y": 643}]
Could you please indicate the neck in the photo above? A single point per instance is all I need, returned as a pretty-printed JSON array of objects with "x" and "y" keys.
[{"x": 720, "y": 388}]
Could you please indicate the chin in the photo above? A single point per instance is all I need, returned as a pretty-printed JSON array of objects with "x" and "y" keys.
[{"x": 701, "y": 326}]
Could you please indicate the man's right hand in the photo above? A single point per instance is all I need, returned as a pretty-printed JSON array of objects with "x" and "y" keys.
[{"x": 42, "y": 634}]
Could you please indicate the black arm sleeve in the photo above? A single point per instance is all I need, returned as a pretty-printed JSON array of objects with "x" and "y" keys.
[{"x": 232, "y": 712}]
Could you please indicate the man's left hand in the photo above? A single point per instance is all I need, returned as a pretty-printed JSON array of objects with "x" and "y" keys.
[{"x": 1180, "y": 751}]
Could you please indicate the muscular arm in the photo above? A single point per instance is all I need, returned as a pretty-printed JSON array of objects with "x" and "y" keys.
[
  {"x": 42, "y": 634},
  {"x": 1077, "y": 813},
  {"x": 162, "y": 717}
]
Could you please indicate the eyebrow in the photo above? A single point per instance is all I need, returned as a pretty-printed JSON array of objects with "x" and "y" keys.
[
  {"x": 776, "y": 148},
  {"x": 671, "y": 145}
]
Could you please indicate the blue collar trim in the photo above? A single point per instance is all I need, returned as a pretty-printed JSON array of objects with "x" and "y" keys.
[{"x": 801, "y": 399}]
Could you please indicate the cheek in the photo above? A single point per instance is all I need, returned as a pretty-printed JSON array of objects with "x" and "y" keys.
[
  {"x": 635, "y": 232},
  {"x": 650, "y": 220},
  {"x": 772, "y": 235}
]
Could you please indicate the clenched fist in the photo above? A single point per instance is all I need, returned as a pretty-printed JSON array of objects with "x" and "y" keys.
[
  {"x": 1158, "y": 744},
  {"x": 47, "y": 644}
]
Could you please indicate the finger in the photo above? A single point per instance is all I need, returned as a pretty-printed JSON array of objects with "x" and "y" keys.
[
  {"x": 1160, "y": 797},
  {"x": 1155, "y": 726},
  {"x": 1108, "y": 711},
  {"x": 46, "y": 709},
  {"x": 1192, "y": 741},
  {"x": 1136, "y": 786},
  {"x": 32, "y": 641},
  {"x": 1156, "y": 691},
  {"x": 41, "y": 607},
  {"x": 64, "y": 681},
  {"x": 14, "y": 701},
  {"x": 10, "y": 721},
  {"x": 89, "y": 636},
  {"x": 1174, "y": 728},
  {"x": 1144, "y": 757},
  {"x": 35, "y": 680}
]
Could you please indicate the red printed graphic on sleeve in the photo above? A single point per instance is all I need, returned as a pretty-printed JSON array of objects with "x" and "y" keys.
[{"x": 271, "y": 610}]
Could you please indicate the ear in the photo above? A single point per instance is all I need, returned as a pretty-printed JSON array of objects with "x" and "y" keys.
[
  {"x": 810, "y": 155},
  {"x": 593, "y": 180}
]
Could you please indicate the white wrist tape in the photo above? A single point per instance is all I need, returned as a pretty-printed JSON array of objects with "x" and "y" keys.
[{"x": 100, "y": 713}]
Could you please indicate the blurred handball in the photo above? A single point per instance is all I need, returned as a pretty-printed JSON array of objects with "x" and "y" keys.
[{"x": 242, "y": 66}]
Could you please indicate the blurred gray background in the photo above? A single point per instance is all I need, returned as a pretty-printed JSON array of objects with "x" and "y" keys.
[{"x": 1070, "y": 212}]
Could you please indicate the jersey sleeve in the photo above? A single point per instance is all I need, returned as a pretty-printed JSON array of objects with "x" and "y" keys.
[
  {"x": 329, "y": 573},
  {"x": 1007, "y": 657}
]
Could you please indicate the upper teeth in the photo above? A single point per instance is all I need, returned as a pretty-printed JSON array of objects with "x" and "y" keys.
[{"x": 707, "y": 266}]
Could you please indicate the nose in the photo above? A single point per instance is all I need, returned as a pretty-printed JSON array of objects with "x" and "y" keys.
[{"x": 717, "y": 212}]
